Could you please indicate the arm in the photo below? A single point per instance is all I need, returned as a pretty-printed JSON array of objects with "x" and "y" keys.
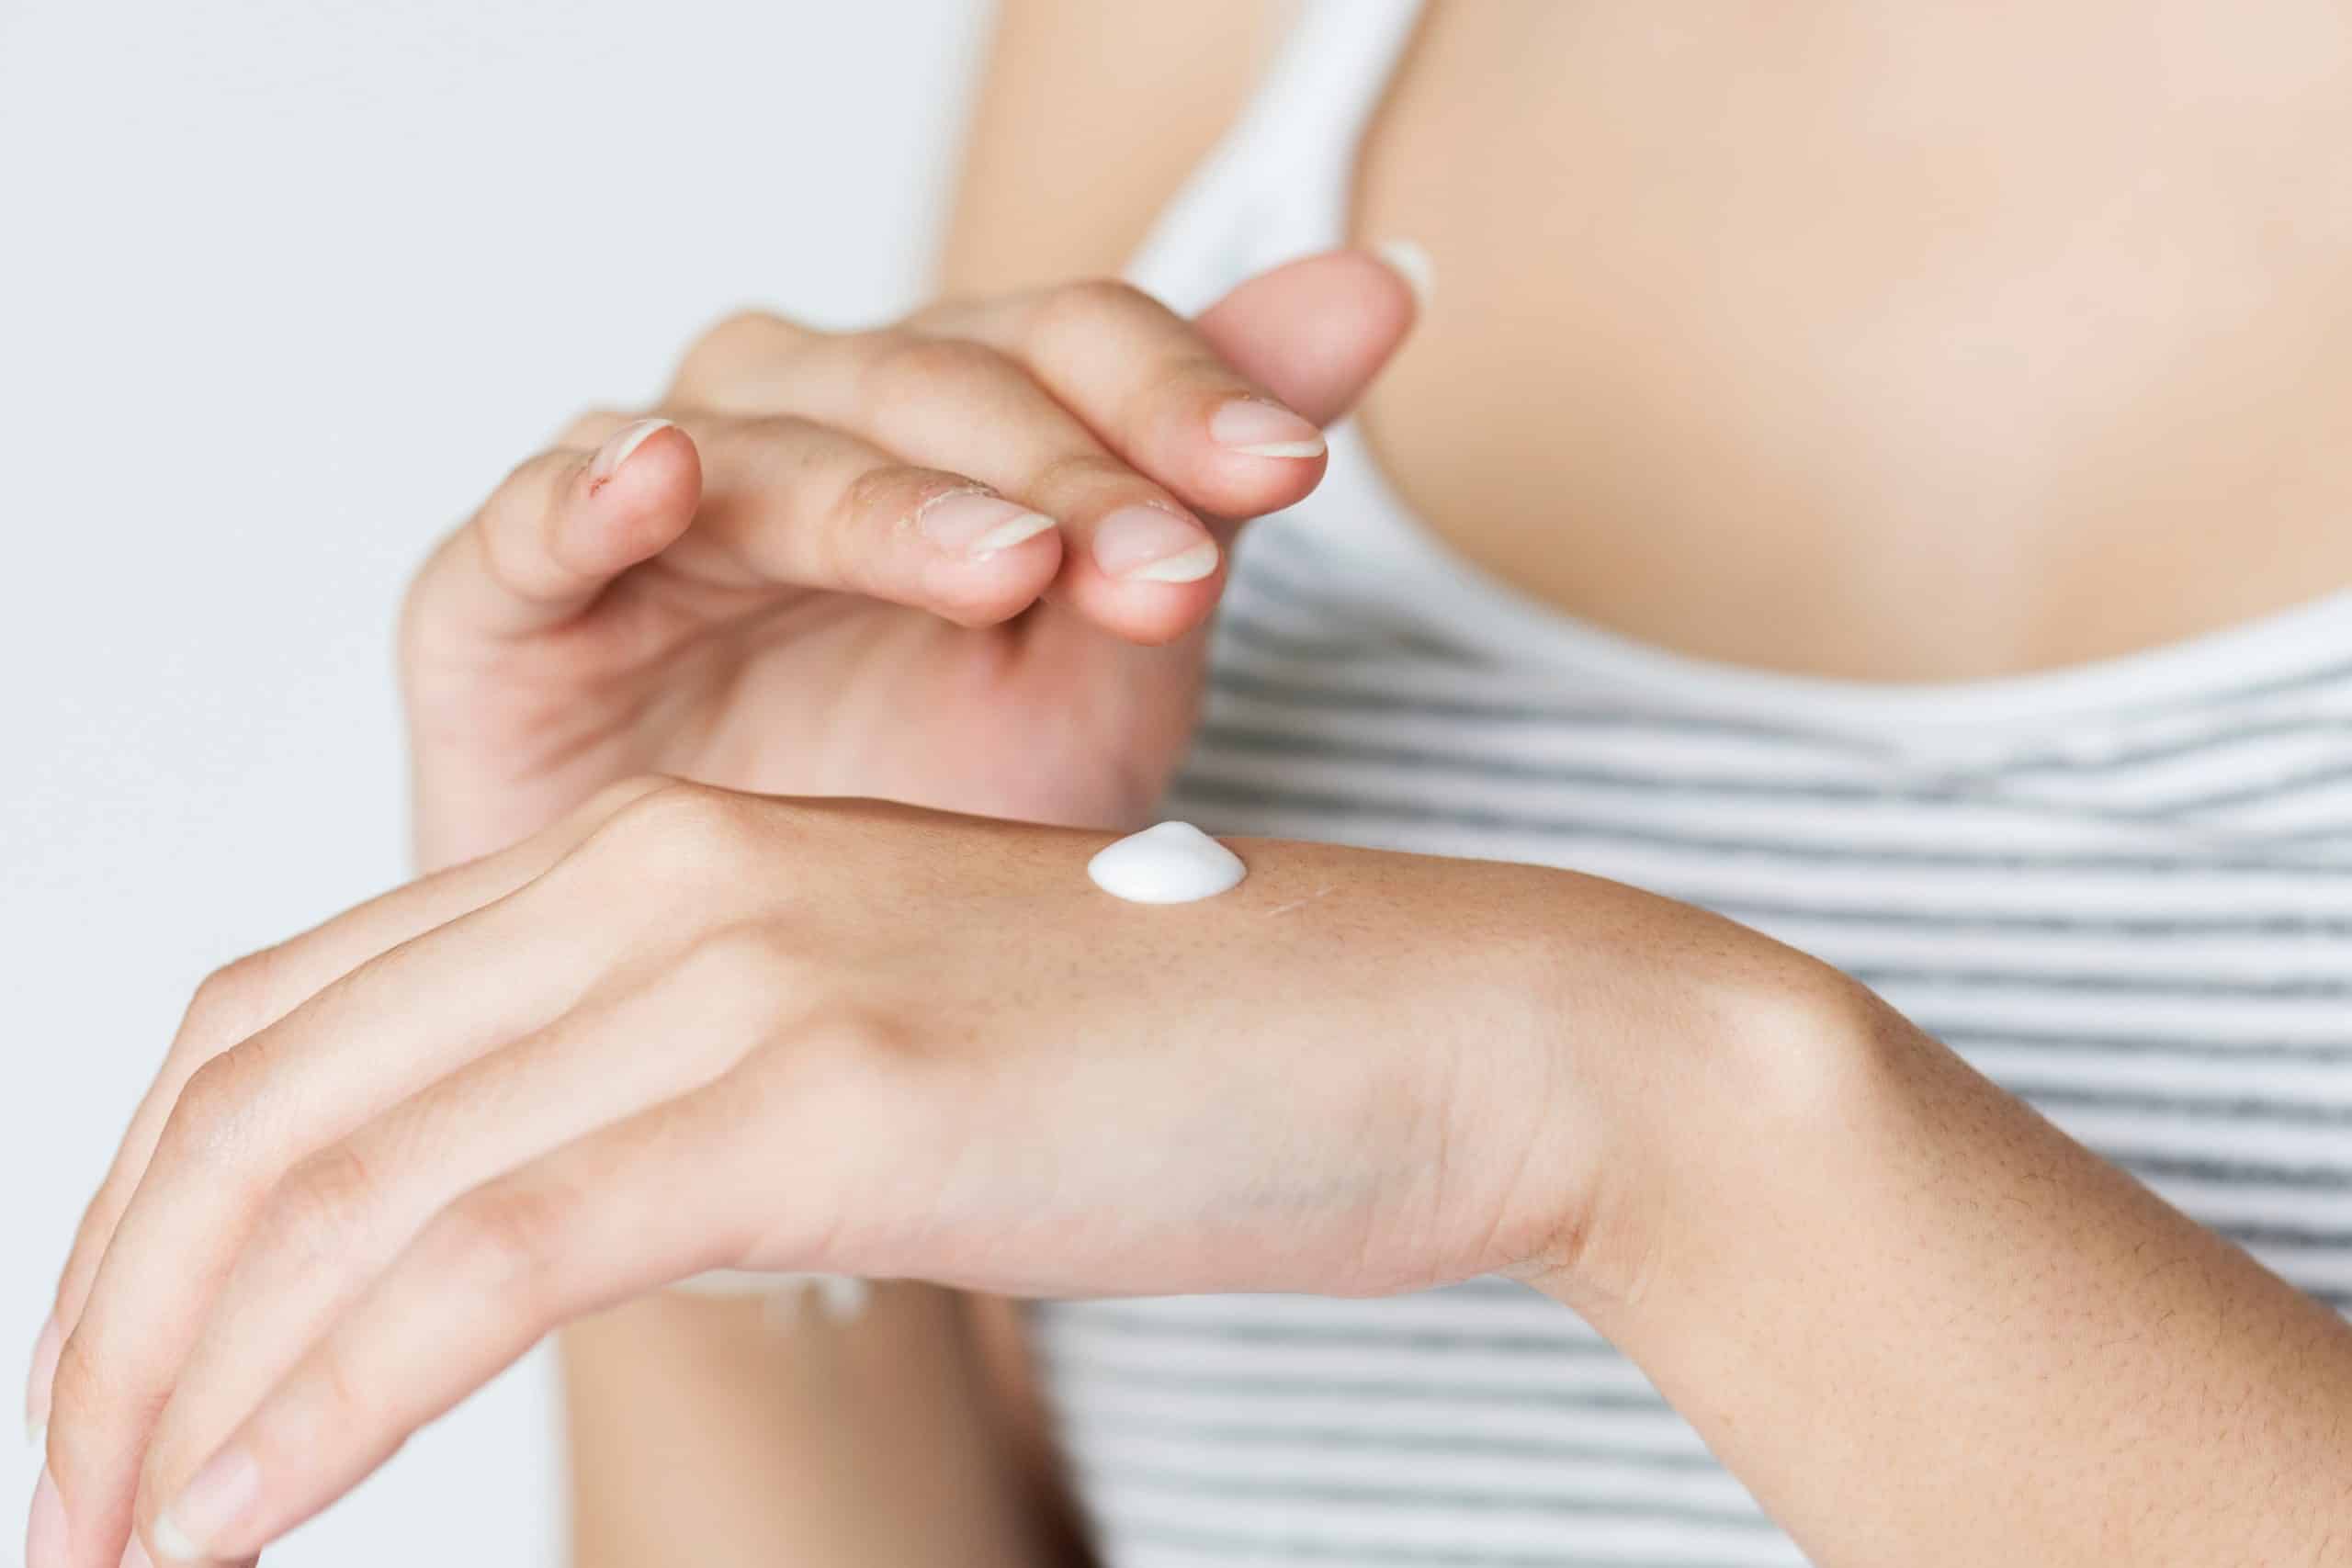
[
  {"x": 1919, "y": 1322},
  {"x": 912, "y": 1435},
  {"x": 1996, "y": 1347}
]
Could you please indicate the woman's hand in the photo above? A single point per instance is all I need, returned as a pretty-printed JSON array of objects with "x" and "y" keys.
[
  {"x": 688, "y": 1029},
  {"x": 958, "y": 561}
]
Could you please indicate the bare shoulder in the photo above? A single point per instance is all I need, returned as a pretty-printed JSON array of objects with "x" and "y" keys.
[{"x": 1087, "y": 119}]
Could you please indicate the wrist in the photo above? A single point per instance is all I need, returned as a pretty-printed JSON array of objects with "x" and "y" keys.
[{"x": 1738, "y": 1054}]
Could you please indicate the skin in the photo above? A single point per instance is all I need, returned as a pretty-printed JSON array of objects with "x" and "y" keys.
[{"x": 2175, "y": 1403}]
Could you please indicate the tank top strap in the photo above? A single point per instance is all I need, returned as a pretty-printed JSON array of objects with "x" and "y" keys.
[{"x": 1277, "y": 184}]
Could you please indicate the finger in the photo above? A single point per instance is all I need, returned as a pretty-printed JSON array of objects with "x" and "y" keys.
[
  {"x": 1225, "y": 411},
  {"x": 343, "y": 1213},
  {"x": 1315, "y": 332},
  {"x": 559, "y": 530},
  {"x": 790, "y": 503},
  {"x": 255, "y": 992},
  {"x": 1140, "y": 564},
  {"x": 383, "y": 1032},
  {"x": 647, "y": 1202}
]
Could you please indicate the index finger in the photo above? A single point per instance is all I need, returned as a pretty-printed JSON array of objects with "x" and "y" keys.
[{"x": 1224, "y": 410}]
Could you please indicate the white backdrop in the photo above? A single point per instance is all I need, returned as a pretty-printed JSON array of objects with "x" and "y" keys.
[{"x": 285, "y": 287}]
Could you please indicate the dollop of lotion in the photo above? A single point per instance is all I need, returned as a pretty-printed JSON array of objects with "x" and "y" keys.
[{"x": 1174, "y": 862}]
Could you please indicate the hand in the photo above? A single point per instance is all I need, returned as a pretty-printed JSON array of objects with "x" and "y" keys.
[
  {"x": 687, "y": 1029},
  {"x": 960, "y": 561}
]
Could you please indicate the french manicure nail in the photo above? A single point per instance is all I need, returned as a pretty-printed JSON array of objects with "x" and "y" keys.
[
  {"x": 976, "y": 524},
  {"x": 135, "y": 1555},
  {"x": 44, "y": 1372},
  {"x": 1413, "y": 264},
  {"x": 45, "y": 1540},
  {"x": 618, "y": 447},
  {"x": 221, "y": 1491},
  {"x": 1144, "y": 544},
  {"x": 1264, "y": 430}
]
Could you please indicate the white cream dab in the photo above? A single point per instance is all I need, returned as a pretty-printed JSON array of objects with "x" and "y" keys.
[{"x": 1174, "y": 862}]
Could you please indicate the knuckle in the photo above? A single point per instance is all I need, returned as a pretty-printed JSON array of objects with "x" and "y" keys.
[
  {"x": 896, "y": 367},
  {"x": 1087, "y": 305},
  {"x": 676, "y": 828},
  {"x": 731, "y": 344},
  {"x": 1087, "y": 473},
  {"x": 900, "y": 362},
  {"x": 87, "y": 1402},
  {"x": 511, "y": 1237},
  {"x": 895, "y": 493},
  {"x": 612, "y": 799},
  {"x": 232, "y": 1002},
  {"x": 213, "y": 1121},
  {"x": 77, "y": 1387},
  {"x": 349, "y": 1405},
  {"x": 321, "y": 1211}
]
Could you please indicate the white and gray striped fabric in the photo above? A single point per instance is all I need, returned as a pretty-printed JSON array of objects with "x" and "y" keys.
[{"x": 2125, "y": 892}]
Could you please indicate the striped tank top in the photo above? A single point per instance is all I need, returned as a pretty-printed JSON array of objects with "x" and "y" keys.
[{"x": 2124, "y": 891}]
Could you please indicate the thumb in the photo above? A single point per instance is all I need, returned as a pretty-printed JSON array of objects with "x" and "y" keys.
[{"x": 1315, "y": 332}]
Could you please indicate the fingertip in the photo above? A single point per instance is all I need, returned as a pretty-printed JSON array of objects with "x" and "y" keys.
[
  {"x": 992, "y": 586},
  {"x": 1152, "y": 615},
  {"x": 635, "y": 496},
  {"x": 1315, "y": 331},
  {"x": 1155, "y": 604},
  {"x": 1237, "y": 477}
]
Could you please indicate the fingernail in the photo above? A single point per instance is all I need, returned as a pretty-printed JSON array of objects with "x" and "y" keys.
[
  {"x": 617, "y": 446},
  {"x": 45, "y": 1353},
  {"x": 1264, "y": 430},
  {"x": 221, "y": 1491},
  {"x": 45, "y": 1532},
  {"x": 135, "y": 1555},
  {"x": 1413, "y": 264},
  {"x": 1143, "y": 544},
  {"x": 977, "y": 525}
]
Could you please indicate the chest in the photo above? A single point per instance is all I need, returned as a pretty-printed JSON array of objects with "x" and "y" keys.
[{"x": 1919, "y": 342}]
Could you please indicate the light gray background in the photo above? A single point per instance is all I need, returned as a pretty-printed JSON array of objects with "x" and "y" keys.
[{"x": 285, "y": 285}]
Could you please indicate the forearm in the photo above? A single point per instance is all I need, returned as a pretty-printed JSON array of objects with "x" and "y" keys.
[
  {"x": 700, "y": 1433},
  {"x": 1923, "y": 1326}
]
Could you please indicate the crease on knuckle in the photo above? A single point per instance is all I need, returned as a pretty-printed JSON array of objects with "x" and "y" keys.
[
  {"x": 320, "y": 1213},
  {"x": 894, "y": 496},
  {"x": 349, "y": 1406},
  {"x": 1093, "y": 477},
  {"x": 215, "y": 1124},
  {"x": 87, "y": 1406},
  {"x": 1183, "y": 384},
  {"x": 512, "y": 1237}
]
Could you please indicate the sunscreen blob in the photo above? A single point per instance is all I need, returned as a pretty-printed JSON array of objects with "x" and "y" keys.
[{"x": 1174, "y": 862}]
